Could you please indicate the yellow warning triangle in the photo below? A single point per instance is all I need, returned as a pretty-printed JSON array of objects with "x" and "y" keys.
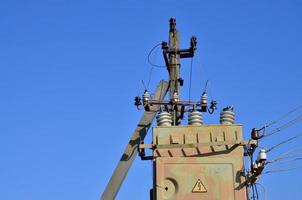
[{"x": 199, "y": 187}]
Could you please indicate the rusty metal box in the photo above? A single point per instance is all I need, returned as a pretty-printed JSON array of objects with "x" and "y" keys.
[{"x": 198, "y": 162}]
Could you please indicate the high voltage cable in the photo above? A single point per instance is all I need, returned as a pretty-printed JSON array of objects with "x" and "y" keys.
[
  {"x": 280, "y": 159},
  {"x": 284, "y": 141},
  {"x": 284, "y": 126},
  {"x": 282, "y": 170},
  {"x": 284, "y": 162},
  {"x": 152, "y": 64},
  {"x": 149, "y": 54},
  {"x": 283, "y": 116},
  {"x": 289, "y": 154},
  {"x": 263, "y": 188}
]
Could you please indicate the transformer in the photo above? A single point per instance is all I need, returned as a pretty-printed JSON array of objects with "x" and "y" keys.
[{"x": 203, "y": 162}]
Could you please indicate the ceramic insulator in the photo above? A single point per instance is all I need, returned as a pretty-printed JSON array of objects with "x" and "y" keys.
[{"x": 195, "y": 118}]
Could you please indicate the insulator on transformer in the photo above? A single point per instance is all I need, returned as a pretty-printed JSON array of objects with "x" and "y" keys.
[
  {"x": 146, "y": 96},
  {"x": 204, "y": 98},
  {"x": 262, "y": 155},
  {"x": 227, "y": 115},
  {"x": 175, "y": 97},
  {"x": 164, "y": 119},
  {"x": 204, "y": 102},
  {"x": 195, "y": 118}
]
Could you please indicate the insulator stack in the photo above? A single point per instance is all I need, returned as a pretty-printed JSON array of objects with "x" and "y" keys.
[
  {"x": 164, "y": 119},
  {"x": 146, "y": 96},
  {"x": 227, "y": 116},
  {"x": 204, "y": 99},
  {"x": 195, "y": 118},
  {"x": 175, "y": 97}
]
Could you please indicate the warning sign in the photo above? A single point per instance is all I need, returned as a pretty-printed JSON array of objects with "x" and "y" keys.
[{"x": 199, "y": 187}]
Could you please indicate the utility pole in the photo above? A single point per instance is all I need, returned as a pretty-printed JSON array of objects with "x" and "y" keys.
[
  {"x": 191, "y": 161},
  {"x": 172, "y": 55}
]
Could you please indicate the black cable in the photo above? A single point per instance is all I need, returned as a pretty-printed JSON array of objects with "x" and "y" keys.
[
  {"x": 284, "y": 142},
  {"x": 284, "y": 126},
  {"x": 282, "y": 170},
  {"x": 253, "y": 191},
  {"x": 283, "y": 116},
  {"x": 279, "y": 161},
  {"x": 149, "y": 60},
  {"x": 150, "y": 76},
  {"x": 257, "y": 195},
  {"x": 292, "y": 153},
  {"x": 264, "y": 190},
  {"x": 152, "y": 64}
]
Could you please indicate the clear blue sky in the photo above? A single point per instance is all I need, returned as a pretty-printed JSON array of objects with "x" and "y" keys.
[{"x": 69, "y": 71}]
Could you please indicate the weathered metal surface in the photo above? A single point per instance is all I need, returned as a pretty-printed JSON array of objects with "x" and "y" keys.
[
  {"x": 203, "y": 172},
  {"x": 130, "y": 152}
]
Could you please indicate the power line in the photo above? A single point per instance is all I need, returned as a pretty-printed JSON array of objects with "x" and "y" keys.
[
  {"x": 284, "y": 142},
  {"x": 286, "y": 161},
  {"x": 152, "y": 64},
  {"x": 256, "y": 189},
  {"x": 149, "y": 54},
  {"x": 282, "y": 170},
  {"x": 264, "y": 190},
  {"x": 284, "y": 126},
  {"x": 293, "y": 153},
  {"x": 283, "y": 116}
]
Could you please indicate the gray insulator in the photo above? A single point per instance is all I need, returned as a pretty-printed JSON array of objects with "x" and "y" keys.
[
  {"x": 164, "y": 119},
  {"x": 227, "y": 116},
  {"x": 146, "y": 96},
  {"x": 195, "y": 118}
]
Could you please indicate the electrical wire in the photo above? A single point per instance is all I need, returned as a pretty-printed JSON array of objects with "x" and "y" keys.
[
  {"x": 149, "y": 54},
  {"x": 282, "y": 170},
  {"x": 253, "y": 191},
  {"x": 292, "y": 154},
  {"x": 283, "y": 116},
  {"x": 264, "y": 190},
  {"x": 286, "y": 161},
  {"x": 206, "y": 86},
  {"x": 284, "y": 142},
  {"x": 256, "y": 190},
  {"x": 284, "y": 126},
  {"x": 150, "y": 76},
  {"x": 152, "y": 65}
]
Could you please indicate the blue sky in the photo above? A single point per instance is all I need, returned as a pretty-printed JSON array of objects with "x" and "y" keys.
[{"x": 69, "y": 71}]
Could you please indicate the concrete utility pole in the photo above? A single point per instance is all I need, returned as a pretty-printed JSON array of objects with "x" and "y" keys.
[
  {"x": 130, "y": 152},
  {"x": 174, "y": 57}
]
